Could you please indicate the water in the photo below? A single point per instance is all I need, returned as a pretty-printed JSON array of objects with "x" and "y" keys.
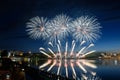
[{"x": 100, "y": 69}]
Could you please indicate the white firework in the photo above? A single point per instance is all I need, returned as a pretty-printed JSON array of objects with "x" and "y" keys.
[
  {"x": 37, "y": 28},
  {"x": 83, "y": 52},
  {"x": 69, "y": 66},
  {"x": 86, "y": 28},
  {"x": 59, "y": 27}
]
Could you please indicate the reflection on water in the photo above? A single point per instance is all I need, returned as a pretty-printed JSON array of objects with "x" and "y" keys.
[
  {"x": 77, "y": 69},
  {"x": 82, "y": 69}
]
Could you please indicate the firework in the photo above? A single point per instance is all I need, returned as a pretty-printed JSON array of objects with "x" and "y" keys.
[
  {"x": 70, "y": 66},
  {"x": 59, "y": 27},
  {"x": 37, "y": 28},
  {"x": 85, "y": 28}
]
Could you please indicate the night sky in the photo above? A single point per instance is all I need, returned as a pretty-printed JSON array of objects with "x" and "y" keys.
[{"x": 15, "y": 13}]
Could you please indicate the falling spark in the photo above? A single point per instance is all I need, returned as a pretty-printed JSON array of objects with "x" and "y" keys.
[
  {"x": 54, "y": 62},
  {"x": 66, "y": 69},
  {"x": 46, "y": 54},
  {"x": 80, "y": 52},
  {"x": 82, "y": 43},
  {"x": 59, "y": 42},
  {"x": 73, "y": 42},
  {"x": 93, "y": 73},
  {"x": 81, "y": 67},
  {"x": 59, "y": 50},
  {"x": 50, "y": 43},
  {"x": 84, "y": 77},
  {"x": 66, "y": 48},
  {"x": 41, "y": 48},
  {"x": 45, "y": 64},
  {"x": 73, "y": 46},
  {"x": 72, "y": 66},
  {"x": 59, "y": 68},
  {"x": 88, "y": 53},
  {"x": 52, "y": 52},
  {"x": 91, "y": 45},
  {"x": 89, "y": 64}
]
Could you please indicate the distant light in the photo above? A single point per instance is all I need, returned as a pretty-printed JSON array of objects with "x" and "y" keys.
[
  {"x": 8, "y": 76},
  {"x": 23, "y": 69}
]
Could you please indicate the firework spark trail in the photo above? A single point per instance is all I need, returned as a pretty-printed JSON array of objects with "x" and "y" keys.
[
  {"x": 73, "y": 42},
  {"x": 85, "y": 62},
  {"x": 81, "y": 67},
  {"x": 50, "y": 43},
  {"x": 93, "y": 73},
  {"x": 66, "y": 49},
  {"x": 82, "y": 43},
  {"x": 80, "y": 51},
  {"x": 46, "y": 54},
  {"x": 73, "y": 46},
  {"x": 72, "y": 66},
  {"x": 91, "y": 45},
  {"x": 41, "y": 48},
  {"x": 59, "y": 68},
  {"x": 37, "y": 28},
  {"x": 66, "y": 69},
  {"x": 58, "y": 46},
  {"x": 45, "y": 64},
  {"x": 52, "y": 52},
  {"x": 59, "y": 42},
  {"x": 84, "y": 77},
  {"x": 54, "y": 62},
  {"x": 88, "y": 53}
]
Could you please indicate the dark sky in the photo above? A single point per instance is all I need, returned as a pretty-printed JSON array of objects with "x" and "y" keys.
[{"x": 15, "y": 13}]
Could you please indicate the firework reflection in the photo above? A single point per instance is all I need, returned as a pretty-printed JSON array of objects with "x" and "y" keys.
[{"x": 78, "y": 69}]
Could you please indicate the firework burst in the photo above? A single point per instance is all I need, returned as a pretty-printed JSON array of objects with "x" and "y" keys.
[
  {"x": 37, "y": 28},
  {"x": 59, "y": 27},
  {"x": 86, "y": 28}
]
